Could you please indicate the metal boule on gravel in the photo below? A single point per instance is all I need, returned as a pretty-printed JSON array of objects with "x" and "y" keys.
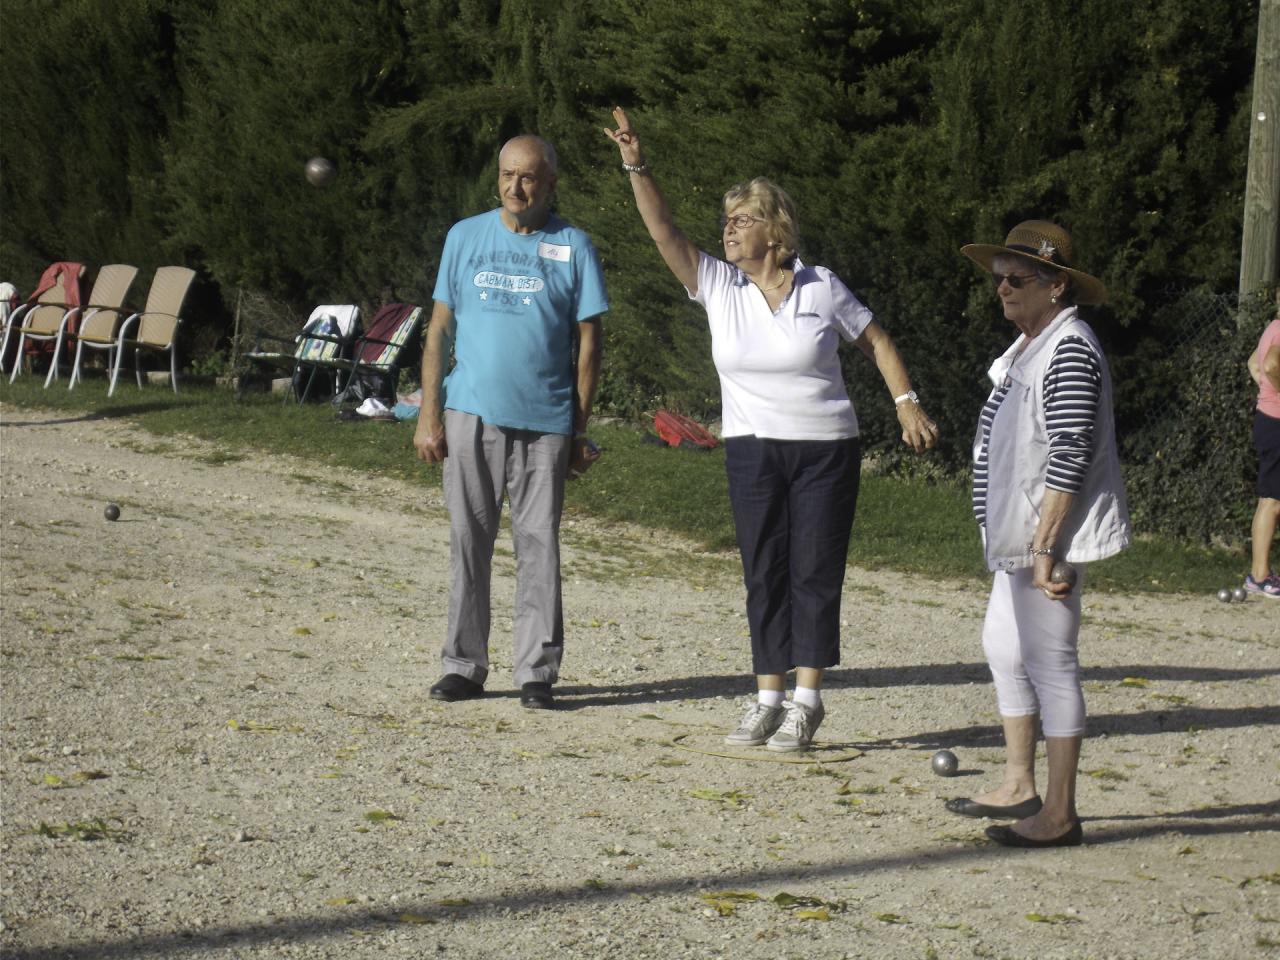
[
  {"x": 112, "y": 512},
  {"x": 1224, "y": 595},
  {"x": 944, "y": 763},
  {"x": 1238, "y": 593}
]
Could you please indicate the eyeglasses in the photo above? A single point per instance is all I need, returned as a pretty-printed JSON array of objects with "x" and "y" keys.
[
  {"x": 740, "y": 221},
  {"x": 1016, "y": 281}
]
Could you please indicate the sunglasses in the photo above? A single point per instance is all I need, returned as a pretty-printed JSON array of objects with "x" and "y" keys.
[
  {"x": 740, "y": 221},
  {"x": 1016, "y": 281}
]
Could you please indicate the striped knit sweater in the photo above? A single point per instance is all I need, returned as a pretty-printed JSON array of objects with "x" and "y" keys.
[{"x": 1072, "y": 385}]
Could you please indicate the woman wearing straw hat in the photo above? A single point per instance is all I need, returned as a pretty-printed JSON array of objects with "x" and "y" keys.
[
  {"x": 1046, "y": 487},
  {"x": 791, "y": 435}
]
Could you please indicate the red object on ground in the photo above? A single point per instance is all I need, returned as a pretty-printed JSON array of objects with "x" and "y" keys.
[{"x": 677, "y": 430}]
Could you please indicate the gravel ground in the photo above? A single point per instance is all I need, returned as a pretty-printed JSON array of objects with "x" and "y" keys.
[{"x": 217, "y": 743}]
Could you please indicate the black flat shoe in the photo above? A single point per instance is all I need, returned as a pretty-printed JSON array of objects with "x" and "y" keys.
[
  {"x": 454, "y": 686},
  {"x": 1006, "y": 837},
  {"x": 536, "y": 696},
  {"x": 1015, "y": 811}
]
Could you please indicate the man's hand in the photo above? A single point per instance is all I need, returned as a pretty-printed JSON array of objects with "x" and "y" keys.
[
  {"x": 582, "y": 454},
  {"x": 428, "y": 440}
]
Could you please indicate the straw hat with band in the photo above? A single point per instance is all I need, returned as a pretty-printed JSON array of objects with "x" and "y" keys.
[{"x": 1041, "y": 242}]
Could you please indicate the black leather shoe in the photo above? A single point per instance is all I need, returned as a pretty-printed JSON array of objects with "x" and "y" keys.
[
  {"x": 536, "y": 696},
  {"x": 1015, "y": 811},
  {"x": 1006, "y": 837},
  {"x": 454, "y": 686}
]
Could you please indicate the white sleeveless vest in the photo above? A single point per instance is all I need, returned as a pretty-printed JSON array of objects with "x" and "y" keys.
[{"x": 1018, "y": 455}]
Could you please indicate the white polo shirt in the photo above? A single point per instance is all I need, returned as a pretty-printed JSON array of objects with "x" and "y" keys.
[{"x": 780, "y": 375}]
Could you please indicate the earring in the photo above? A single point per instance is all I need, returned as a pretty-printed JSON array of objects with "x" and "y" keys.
[{"x": 1053, "y": 298}]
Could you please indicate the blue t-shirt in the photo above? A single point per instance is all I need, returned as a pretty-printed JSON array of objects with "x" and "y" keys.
[{"x": 516, "y": 298}]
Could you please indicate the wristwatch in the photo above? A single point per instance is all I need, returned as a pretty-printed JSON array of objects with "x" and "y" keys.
[{"x": 909, "y": 395}]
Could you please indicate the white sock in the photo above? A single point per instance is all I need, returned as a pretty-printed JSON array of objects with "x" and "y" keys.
[
  {"x": 807, "y": 696},
  {"x": 770, "y": 698}
]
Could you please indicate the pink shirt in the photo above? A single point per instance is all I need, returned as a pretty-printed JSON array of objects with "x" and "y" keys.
[{"x": 1268, "y": 396}]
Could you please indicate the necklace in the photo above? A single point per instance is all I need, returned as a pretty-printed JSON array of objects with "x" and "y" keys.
[{"x": 781, "y": 281}]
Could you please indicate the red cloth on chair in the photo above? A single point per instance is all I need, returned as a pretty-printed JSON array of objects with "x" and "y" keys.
[{"x": 70, "y": 272}]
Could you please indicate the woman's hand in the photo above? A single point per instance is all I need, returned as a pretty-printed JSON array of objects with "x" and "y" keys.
[
  {"x": 626, "y": 139},
  {"x": 918, "y": 431},
  {"x": 1042, "y": 569}
]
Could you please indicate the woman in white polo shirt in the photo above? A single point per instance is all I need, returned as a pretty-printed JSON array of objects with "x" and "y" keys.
[{"x": 791, "y": 435}]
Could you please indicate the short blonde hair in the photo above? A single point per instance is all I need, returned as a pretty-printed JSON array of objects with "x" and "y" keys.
[{"x": 771, "y": 203}]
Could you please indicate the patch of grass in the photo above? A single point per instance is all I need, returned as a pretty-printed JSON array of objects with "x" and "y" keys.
[
  {"x": 915, "y": 526},
  {"x": 95, "y": 829}
]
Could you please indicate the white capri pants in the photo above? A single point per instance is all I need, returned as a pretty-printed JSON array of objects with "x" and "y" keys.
[{"x": 1031, "y": 646}]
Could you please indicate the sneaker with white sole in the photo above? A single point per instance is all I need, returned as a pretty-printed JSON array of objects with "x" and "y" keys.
[
  {"x": 1270, "y": 587},
  {"x": 798, "y": 727},
  {"x": 758, "y": 725}
]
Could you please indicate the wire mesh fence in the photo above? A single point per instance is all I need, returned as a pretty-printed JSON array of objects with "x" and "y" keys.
[{"x": 1186, "y": 411}]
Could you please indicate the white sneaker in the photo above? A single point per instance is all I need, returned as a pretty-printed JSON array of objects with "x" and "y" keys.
[
  {"x": 758, "y": 725},
  {"x": 798, "y": 727}
]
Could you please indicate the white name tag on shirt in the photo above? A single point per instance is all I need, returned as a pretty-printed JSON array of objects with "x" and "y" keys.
[{"x": 554, "y": 251}]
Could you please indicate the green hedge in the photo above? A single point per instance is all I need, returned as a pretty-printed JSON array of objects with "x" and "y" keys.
[{"x": 162, "y": 131}]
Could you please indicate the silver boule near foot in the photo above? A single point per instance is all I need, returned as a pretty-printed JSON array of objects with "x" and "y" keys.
[{"x": 944, "y": 763}]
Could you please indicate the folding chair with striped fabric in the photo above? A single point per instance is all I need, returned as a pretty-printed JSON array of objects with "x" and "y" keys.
[
  {"x": 391, "y": 340},
  {"x": 326, "y": 337}
]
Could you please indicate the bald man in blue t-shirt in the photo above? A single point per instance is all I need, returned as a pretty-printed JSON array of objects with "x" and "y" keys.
[{"x": 517, "y": 289}]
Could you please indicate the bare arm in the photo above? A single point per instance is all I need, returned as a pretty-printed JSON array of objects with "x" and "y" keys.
[
  {"x": 590, "y": 354},
  {"x": 582, "y": 452},
  {"x": 680, "y": 255},
  {"x": 1270, "y": 367},
  {"x": 918, "y": 431},
  {"x": 428, "y": 437}
]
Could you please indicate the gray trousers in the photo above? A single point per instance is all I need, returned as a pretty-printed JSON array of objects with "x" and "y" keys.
[{"x": 484, "y": 463}]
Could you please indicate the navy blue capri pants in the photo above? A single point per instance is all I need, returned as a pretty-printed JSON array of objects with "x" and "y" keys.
[
  {"x": 793, "y": 504},
  {"x": 1266, "y": 440}
]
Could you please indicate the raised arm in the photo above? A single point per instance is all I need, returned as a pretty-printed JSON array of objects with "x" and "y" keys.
[{"x": 680, "y": 255}]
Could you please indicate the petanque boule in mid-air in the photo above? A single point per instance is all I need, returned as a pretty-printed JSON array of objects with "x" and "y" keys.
[
  {"x": 944, "y": 763},
  {"x": 320, "y": 171},
  {"x": 111, "y": 512}
]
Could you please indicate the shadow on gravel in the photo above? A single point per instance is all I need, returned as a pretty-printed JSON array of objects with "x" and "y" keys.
[
  {"x": 928, "y": 674},
  {"x": 115, "y": 413},
  {"x": 951, "y": 850},
  {"x": 1186, "y": 719}
]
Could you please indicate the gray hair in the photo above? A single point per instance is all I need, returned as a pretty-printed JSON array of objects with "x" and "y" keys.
[{"x": 1046, "y": 275}]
